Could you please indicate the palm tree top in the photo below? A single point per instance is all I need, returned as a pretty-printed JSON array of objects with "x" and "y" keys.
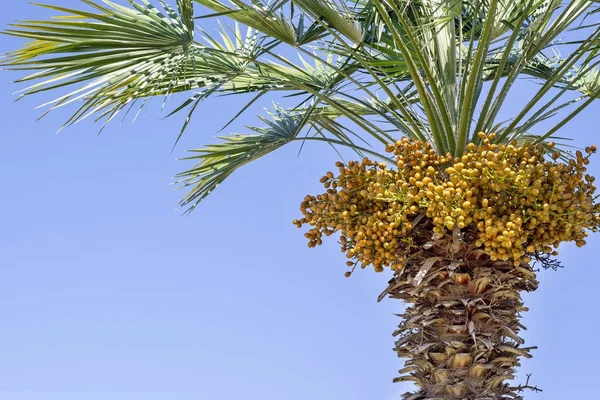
[{"x": 367, "y": 71}]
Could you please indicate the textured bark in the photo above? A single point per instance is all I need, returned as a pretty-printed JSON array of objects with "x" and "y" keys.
[{"x": 459, "y": 332}]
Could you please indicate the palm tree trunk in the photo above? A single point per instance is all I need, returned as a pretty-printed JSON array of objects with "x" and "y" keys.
[{"x": 459, "y": 332}]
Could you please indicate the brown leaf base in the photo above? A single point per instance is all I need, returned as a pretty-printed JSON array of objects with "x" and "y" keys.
[{"x": 459, "y": 332}]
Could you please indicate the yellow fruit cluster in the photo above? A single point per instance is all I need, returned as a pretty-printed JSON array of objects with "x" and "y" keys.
[{"x": 519, "y": 198}]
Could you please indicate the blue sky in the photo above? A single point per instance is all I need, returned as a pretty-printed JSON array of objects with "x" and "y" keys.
[{"x": 107, "y": 292}]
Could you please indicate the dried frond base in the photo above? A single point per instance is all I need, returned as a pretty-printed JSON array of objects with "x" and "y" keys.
[{"x": 459, "y": 333}]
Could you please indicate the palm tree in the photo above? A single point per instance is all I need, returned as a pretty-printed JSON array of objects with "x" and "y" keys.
[{"x": 368, "y": 72}]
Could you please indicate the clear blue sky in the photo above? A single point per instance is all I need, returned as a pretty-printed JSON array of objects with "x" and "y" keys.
[{"x": 106, "y": 292}]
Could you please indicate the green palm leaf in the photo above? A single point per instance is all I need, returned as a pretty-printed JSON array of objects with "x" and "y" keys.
[
  {"x": 218, "y": 161},
  {"x": 258, "y": 16},
  {"x": 118, "y": 55},
  {"x": 367, "y": 71}
]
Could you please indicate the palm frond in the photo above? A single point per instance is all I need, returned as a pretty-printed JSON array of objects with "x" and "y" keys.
[
  {"x": 335, "y": 15},
  {"x": 367, "y": 71},
  {"x": 259, "y": 16},
  {"x": 117, "y": 55},
  {"x": 218, "y": 161}
]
